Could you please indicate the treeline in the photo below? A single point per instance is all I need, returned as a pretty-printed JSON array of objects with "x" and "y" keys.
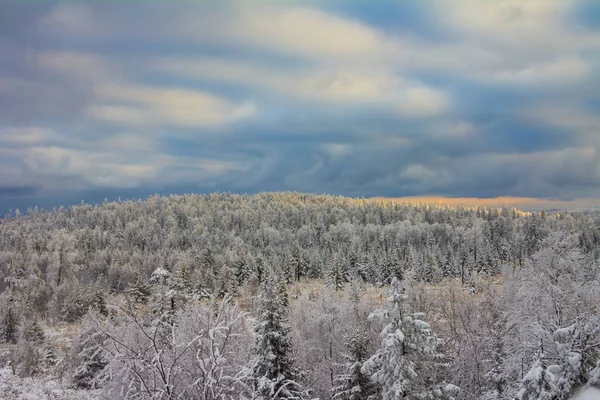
[{"x": 513, "y": 295}]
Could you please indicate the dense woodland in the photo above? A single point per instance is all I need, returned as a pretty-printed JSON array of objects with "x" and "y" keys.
[{"x": 292, "y": 296}]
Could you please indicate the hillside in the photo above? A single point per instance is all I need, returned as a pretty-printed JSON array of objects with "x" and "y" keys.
[{"x": 130, "y": 299}]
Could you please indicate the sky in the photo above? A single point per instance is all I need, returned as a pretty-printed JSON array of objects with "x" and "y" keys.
[{"x": 431, "y": 99}]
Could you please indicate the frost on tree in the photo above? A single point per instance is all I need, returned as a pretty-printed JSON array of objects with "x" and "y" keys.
[
  {"x": 91, "y": 357},
  {"x": 354, "y": 384},
  {"x": 574, "y": 364},
  {"x": 407, "y": 365},
  {"x": 539, "y": 383},
  {"x": 273, "y": 372}
]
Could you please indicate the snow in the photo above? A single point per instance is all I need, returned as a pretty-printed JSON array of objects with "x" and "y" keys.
[
  {"x": 15, "y": 388},
  {"x": 564, "y": 332},
  {"x": 589, "y": 394},
  {"x": 159, "y": 275},
  {"x": 422, "y": 325},
  {"x": 378, "y": 315},
  {"x": 399, "y": 335}
]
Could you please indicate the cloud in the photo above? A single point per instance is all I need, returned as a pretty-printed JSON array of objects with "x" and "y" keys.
[
  {"x": 121, "y": 161},
  {"x": 293, "y": 30},
  {"x": 336, "y": 149},
  {"x": 539, "y": 26},
  {"x": 70, "y": 18},
  {"x": 467, "y": 98},
  {"x": 27, "y": 136},
  {"x": 84, "y": 66},
  {"x": 423, "y": 101},
  {"x": 323, "y": 83},
  {"x": 317, "y": 83},
  {"x": 562, "y": 71},
  {"x": 85, "y": 168},
  {"x": 163, "y": 106}
]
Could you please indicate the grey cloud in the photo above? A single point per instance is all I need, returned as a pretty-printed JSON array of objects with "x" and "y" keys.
[{"x": 478, "y": 114}]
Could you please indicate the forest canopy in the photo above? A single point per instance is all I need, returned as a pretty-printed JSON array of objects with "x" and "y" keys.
[{"x": 289, "y": 291}]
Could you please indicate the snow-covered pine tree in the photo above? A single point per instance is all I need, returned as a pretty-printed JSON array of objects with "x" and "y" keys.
[
  {"x": 335, "y": 279},
  {"x": 32, "y": 332},
  {"x": 242, "y": 271},
  {"x": 578, "y": 354},
  {"x": 139, "y": 291},
  {"x": 159, "y": 276},
  {"x": 538, "y": 384},
  {"x": 74, "y": 308},
  {"x": 50, "y": 357},
  {"x": 164, "y": 303},
  {"x": 450, "y": 266},
  {"x": 90, "y": 356},
  {"x": 408, "y": 364},
  {"x": 10, "y": 325},
  {"x": 209, "y": 271},
  {"x": 296, "y": 263},
  {"x": 259, "y": 267},
  {"x": 354, "y": 384},
  {"x": 390, "y": 268},
  {"x": 273, "y": 372},
  {"x": 97, "y": 301},
  {"x": 497, "y": 376}
]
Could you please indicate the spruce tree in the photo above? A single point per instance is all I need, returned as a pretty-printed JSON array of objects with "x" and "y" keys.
[
  {"x": 242, "y": 271},
  {"x": 273, "y": 373},
  {"x": 32, "y": 332},
  {"x": 91, "y": 357},
  {"x": 297, "y": 263},
  {"x": 354, "y": 384},
  {"x": 335, "y": 278},
  {"x": 50, "y": 357},
  {"x": 538, "y": 383},
  {"x": 407, "y": 365},
  {"x": 10, "y": 325},
  {"x": 139, "y": 291}
]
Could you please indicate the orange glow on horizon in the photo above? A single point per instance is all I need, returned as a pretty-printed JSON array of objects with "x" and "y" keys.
[{"x": 522, "y": 203}]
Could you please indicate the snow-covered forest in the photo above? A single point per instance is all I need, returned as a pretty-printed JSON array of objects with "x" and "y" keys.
[{"x": 292, "y": 296}]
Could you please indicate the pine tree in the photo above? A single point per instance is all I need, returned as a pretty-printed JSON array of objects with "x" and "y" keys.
[
  {"x": 578, "y": 354},
  {"x": 334, "y": 274},
  {"x": 538, "y": 384},
  {"x": 273, "y": 373},
  {"x": 50, "y": 357},
  {"x": 139, "y": 291},
  {"x": 242, "y": 272},
  {"x": 259, "y": 266},
  {"x": 450, "y": 266},
  {"x": 496, "y": 375},
  {"x": 32, "y": 332},
  {"x": 180, "y": 285},
  {"x": 9, "y": 326},
  {"x": 91, "y": 358},
  {"x": 209, "y": 269},
  {"x": 227, "y": 283},
  {"x": 75, "y": 308},
  {"x": 97, "y": 301},
  {"x": 287, "y": 272},
  {"x": 407, "y": 365},
  {"x": 353, "y": 384},
  {"x": 297, "y": 263}
]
